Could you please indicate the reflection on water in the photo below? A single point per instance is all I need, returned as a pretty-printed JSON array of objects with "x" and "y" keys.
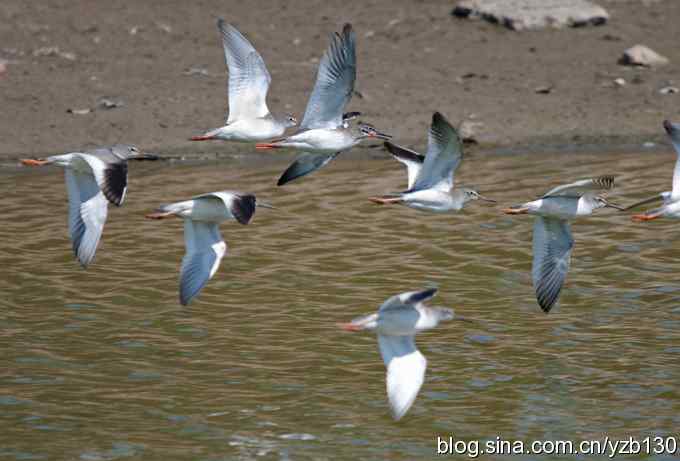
[{"x": 105, "y": 364}]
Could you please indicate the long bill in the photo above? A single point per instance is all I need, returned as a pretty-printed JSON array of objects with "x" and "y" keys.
[{"x": 656, "y": 198}]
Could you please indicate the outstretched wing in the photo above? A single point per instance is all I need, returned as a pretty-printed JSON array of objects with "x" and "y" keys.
[
  {"x": 583, "y": 186},
  {"x": 412, "y": 159},
  {"x": 304, "y": 164},
  {"x": 552, "y": 254},
  {"x": 405, "y": 371},
  {"x": 444, "y": 154},
  {"x": 87, "y": 210},
  {"x": 334, "y": 83},
  {"x": 408, "y": 299},
  {"x": 673, "y": 130},
  {"x": 248, "y": 76},
  {"x": 204, "y": 251}
]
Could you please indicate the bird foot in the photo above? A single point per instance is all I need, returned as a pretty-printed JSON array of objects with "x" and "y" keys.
[
  {"x": 515, "y": 210},
  {"x": 643, "y": 217},
  {"x": 384, "y": 200},
  {"x": 158, "y": 215},
  {"x": 33, "y": 162},
  {"x": 349, "y": 326},
  {"x": 264, "y": 145}
]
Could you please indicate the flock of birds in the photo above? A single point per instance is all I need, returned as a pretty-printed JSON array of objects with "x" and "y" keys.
[{"x": 95, "y": 178}]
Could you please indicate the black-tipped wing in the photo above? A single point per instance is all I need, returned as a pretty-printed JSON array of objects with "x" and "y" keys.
[
  {"x": 241, "y": 206},
  {"x": 334, "y": 83},
  {"x": 204, "y": 251},
  {"x": 583, "y": 186},
  {"x": 114, "y": 185},
  {"x": 444, "y": 154},
  {"x": 552, "y": 245},
  {"x": 249, "y": 78},
  {"x": 303, "y": 165},
  {"x": 412, "y": 159},
  {"x": 408, "y": 300}
]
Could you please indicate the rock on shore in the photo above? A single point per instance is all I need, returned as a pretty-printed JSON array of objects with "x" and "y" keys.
[{"x": 533, "y": 14}]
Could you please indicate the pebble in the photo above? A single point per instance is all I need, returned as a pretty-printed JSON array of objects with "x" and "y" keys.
[{"x": 640, "y": 55}]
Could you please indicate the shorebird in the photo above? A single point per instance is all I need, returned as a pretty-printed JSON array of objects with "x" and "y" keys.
[
  {"x": 431, "y": 176},
  {"x": 670, "y": 207},
  {"x": 249, "y": 118},
  {"x": 396, "y": 323},
  {"x": 552, "y": 240},
  {"x": 204, "y": 245},
  {"x": 93, "y": 179},
  {"x": 325, "y": 132}
]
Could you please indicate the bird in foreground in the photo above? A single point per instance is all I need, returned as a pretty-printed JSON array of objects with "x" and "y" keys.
[
  {"x": 552, "y": 239},
  {"x": 204, "y": 245},
  {"x": 396, "y": 323},
  {"x": 431, "y": 176},
  {"x": 249, "y": 118},
  {"x": 325, "y": 132},
  {"x": 94, "y": 178},
  {"x": 670, "y": 207}
]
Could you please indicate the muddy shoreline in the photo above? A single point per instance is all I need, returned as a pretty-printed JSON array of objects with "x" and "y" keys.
[{"x": 162, "y": 61}]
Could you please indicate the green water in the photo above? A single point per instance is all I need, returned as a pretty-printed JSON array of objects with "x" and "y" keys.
[{"x": 105, "y": 364}]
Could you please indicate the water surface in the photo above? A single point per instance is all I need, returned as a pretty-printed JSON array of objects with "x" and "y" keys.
[{"x": 105, "y": 364}]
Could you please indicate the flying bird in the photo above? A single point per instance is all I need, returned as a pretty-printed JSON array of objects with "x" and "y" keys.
[
  {"x": 431, "y": 176},
  {"x": 94, "y": 178},
  {"x": 670, "y": 207},
  {"x": 552, "y": 239},
  {"x": 396, "y": 323},
  {"x": 204, "y": 245},
  {"x": 249, "y": 118},
  {"x": 326, "y": 130}
]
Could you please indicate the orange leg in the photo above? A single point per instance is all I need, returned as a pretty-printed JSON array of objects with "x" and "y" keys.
[
  {"x": 645, "y": 217},
  {"x": 349, "y": 327},
  {"x": 159, "y": 215},
  {"x": 33, "y": 162},
  {"x": 266, "y": 145},
  {"x": 385, "y": 200},
  {"x": 515, "y": 210}
]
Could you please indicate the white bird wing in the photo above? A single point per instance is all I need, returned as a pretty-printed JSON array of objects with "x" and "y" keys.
[
  {"x": 249, "y": 78},
  {"x": 552, "y": 245},
  {"x": 583, "y": 186},
  {"x": 405, "y": 371},
  {"x": 673, "y": 130},
  {"x": 334, "y": 83},
  {"x": 412, "y": 159},
  {"x": 204, "y": 251},
  {"x": 87, "y": 210},
  {"x": 444, "y": 154}
]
